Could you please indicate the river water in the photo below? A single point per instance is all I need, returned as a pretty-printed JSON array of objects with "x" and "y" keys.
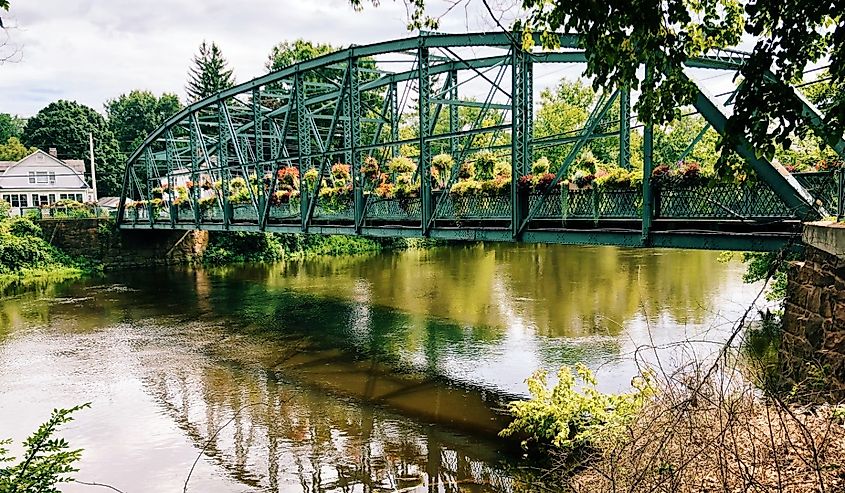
[{"x": 386, "y": 372}]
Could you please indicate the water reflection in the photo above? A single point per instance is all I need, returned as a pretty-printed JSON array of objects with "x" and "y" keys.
[{"x": 377, "y": 373}]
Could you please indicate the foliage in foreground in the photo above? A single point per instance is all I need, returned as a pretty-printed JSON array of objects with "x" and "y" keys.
[
  {"x": 572, "y": 419},
  {"x": 22, "y": 249},
  {"x": 46, "y": 461},
  {"x": 705, "y": 431}
]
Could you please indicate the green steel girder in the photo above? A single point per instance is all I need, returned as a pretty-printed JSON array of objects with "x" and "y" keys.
[{"x": 296, "y": 120}]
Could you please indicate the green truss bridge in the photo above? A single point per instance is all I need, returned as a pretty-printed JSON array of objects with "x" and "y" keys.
[{"x": 267, "y": 155}]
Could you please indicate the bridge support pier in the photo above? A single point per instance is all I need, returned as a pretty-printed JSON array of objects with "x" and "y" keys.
[{"x": 813, "y": 344}]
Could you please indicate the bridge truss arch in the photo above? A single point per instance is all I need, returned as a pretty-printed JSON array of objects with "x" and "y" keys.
[{"x": 313, "y": 148}]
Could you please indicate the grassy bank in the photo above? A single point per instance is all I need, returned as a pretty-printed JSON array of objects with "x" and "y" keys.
[
  {"x": 233, "y": 247},
  {"x": 25, "y": 257}
]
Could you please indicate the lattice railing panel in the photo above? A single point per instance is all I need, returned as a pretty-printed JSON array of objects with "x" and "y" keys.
[
  {"x": 722, "y": 201},
  {"x": 394, "y": 209}
]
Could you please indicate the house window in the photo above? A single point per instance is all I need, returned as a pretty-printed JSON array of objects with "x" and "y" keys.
[
  {"x": 79, "y": 197},
  {"x": 40, "y": 200},
  {"x": 16, "y": 200},
  {"x": 52, "y": 198},
  {"x": 41, "y": 177},
  {"x": 32, "y": 176},
  {"x": 52, "y": 178}
]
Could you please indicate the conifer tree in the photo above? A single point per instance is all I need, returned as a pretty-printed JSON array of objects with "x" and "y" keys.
[{"x": 209, "y": 74}]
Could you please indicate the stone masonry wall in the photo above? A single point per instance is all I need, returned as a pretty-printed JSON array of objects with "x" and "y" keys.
[
  {"x": 813, "y": 344},
  {"x": 98, "y": 240}
]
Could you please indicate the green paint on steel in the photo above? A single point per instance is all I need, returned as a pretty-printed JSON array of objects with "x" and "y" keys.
[{"x": 314, "y": 113}]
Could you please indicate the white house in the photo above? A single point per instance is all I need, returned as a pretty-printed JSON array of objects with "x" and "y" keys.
[{"x": 42, "y": 179}]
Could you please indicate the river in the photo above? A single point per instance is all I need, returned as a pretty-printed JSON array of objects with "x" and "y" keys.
[{"x": 386, "y": 372}]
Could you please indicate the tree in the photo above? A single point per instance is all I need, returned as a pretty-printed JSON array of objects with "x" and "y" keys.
[
  {"x": 209, "y": 74},
  {"x": 65, "y": 125},
  {"x": 621, "y": 36},
  {"x": 670, "y": 142},
  {"x": 135, "y": 115},
  {"x": 565, "y": 110},
  {"x": 10, "y": 126},
  {"x": 4, "y": 4},
  {"x": 288, "y": 53},
  {"x": 13, "y": 150}
]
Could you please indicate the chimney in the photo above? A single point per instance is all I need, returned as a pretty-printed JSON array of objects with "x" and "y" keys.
[{"x": 54, "y": 152}]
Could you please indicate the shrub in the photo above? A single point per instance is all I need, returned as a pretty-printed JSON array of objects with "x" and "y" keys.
[
  {"x": 21, "y": 226},
  {"x": 206, "y": 203},
  {"x": 540, "y": 166},
  {"x": 46, "y": 461},
  {"x": 239, "y": 196},
  {"x": 568, "y": 418},
  {"x": 370, "y": 168},
  {"x": 5, "y": 207},
  {"x": 341, "y": 173},
  {"x": 442, "y": 164},
  {"x": 583, "y": 179},
  {"x": 406, "y": 191},
  {"x": 386, "y": 190},
  {"x": 660, "y": 174},
  {"x": 466, "y": 188},
  {"x": 466, "y": 171},
  {"x": 401, "y": 164},
  {"x": 311, "y": 176},
  {"x": 587, "y": 162},
  {"x": 496, "y": 187},
  {"x": 237, "y": 183},
  {"x": 502, "y": 169},
  {"x": 615, "y": 178},
  {"x": 485, "y": 163},
  {"x": 288, "y": 176},
  {"x": 830, "y": 164}
]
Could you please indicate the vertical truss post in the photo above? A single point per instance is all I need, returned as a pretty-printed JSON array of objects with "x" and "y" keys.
[
  {"x": 425, "y": 145},
  {"x": 625, "y": 127},
  {"x": 258, "y": 155},
  {"x": 394, "y": 118},
  {"x": 521, "y": 99},
  {"x": 346, "y": 103},
  {"x": 223, "y": 160},
  {"x": 124, "y": 191},
  {"x": 303, "y": 135},
  {"x": 148, "y": 157},
  {"x": 648, "y": 166},
  {"x": 194, "y": 191},
  {"x": 169, "y": 157},
  {"x": 354, "y": 125},
  {"x": 454, "y": 117}
]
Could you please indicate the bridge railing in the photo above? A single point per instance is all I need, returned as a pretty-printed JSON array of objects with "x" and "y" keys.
[{"x": 716, "y": 201}]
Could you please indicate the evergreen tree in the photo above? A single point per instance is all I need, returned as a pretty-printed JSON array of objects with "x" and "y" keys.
[{"x": 209, "y": 74}]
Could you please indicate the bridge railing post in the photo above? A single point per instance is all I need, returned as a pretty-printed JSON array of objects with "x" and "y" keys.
[
  {"x": 648, "y": 165},
  {"x": 521, "y": 132}
]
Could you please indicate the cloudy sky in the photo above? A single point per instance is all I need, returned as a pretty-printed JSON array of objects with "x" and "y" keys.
[{"x": 91, "y": 51}]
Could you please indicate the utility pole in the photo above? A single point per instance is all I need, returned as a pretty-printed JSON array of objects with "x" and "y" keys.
[{"x": 93, "y": 171}]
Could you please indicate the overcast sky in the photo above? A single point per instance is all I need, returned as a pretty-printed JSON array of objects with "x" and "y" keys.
[{"x": 91, "y": 51}]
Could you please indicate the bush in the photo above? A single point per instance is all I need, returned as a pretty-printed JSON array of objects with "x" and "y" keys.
[
  {"x": 311, "y": 176},
  {"x": 401, "y": 164},
  {"x": 466, "y": 171},
  {"x": 288, "y": 176},
  {"x": 466, "y": 188},
  {"x": 572, "y": 419},
  {"x": 442, "y": 164},
  {"x": 503, "y": 170},
  {"x": 540, "y": 166},
  {"x": 21, "y": 226},
  {"x": 370, "y": 168},
  {"x": 616, "y": 178},
  {"x": 485, "y": 163}
]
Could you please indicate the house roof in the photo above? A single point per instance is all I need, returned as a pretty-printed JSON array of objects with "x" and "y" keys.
[
  {"x": 77, "y": 165},
  {"x": 109, "y": 202}
]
